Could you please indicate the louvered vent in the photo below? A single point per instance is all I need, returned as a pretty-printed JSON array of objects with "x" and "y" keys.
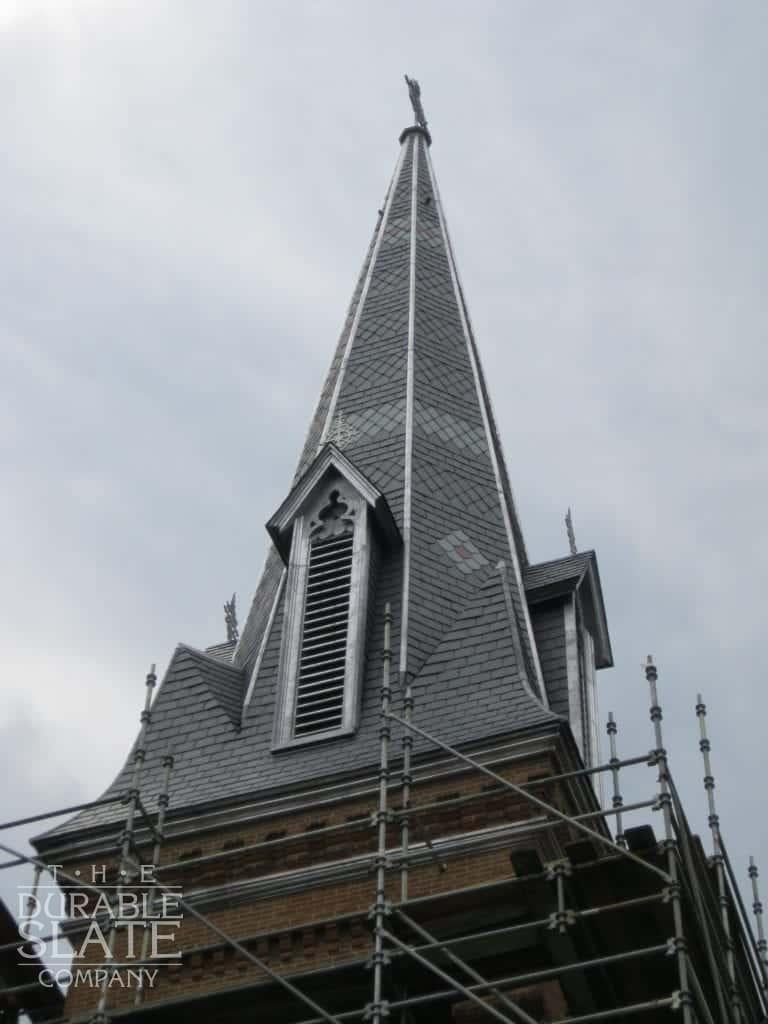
[{"x": 322, "y": 661}]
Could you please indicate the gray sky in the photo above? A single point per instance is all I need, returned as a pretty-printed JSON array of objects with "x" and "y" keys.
[{"x": 186, "y": 193}]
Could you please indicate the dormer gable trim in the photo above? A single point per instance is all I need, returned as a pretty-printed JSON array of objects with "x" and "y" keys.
[
  {"x": 562, "y": 576},
  {"x": 280, "y": 525}
]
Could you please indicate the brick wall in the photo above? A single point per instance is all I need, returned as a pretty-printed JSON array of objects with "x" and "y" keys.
[{"x": 294, "y": 932}]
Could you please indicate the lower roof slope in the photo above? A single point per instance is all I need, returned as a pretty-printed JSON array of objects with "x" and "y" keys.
[{"x": 478, "y": 665}]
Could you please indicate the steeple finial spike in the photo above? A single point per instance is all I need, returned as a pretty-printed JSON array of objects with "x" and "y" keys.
[
  {"x": 414, "y": 92},
  {"x": 230, "y": 618},
  {"x": 570, "y": 531}
]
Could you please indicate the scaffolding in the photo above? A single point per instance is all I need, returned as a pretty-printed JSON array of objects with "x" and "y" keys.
[{"x": 694, "y": 951}]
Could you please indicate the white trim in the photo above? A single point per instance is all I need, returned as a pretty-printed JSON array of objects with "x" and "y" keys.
[
  {"x": 361, "y": 301},
  {"x": 290, "y": 641},
  {"x": 409, "y": 394},
  {"x": 515, "y": 630},
  {"x": 359, "y": 589},
  {"x": 329, "y": 458},
  {"x": 464, "y": 314},
  {"x": 292, "y": 634},
  {"x": 573, "y": 673},
  {"x": 592, "y": 711},
  {"x": 263, "y": 645}
]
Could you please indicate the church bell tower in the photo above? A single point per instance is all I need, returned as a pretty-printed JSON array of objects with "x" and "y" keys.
[{"x": 399, "y": 635}]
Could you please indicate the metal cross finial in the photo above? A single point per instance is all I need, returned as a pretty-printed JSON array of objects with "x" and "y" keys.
[
  {"x": 414, "y": 92},
  {"x": 571, "y": 534},
  {"x": 230, "y": 617}
]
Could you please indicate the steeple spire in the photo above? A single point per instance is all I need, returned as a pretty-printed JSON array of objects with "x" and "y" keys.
[{"x": 407, "y": 402}]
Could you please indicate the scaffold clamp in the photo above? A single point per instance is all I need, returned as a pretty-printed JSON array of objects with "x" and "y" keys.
[{"x": 373, "y": 1009}]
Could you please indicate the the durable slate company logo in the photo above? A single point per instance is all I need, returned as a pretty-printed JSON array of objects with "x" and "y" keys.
[{"x": 105, "y": 935}]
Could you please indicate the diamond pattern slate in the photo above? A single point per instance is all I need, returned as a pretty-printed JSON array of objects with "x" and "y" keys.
[
  {"x": 460, "y": 629},
  {"x": 463, "y": 551}
]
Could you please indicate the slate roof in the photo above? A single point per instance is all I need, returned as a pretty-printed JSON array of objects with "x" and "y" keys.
[
  {"x": 559, "y": 570},
  {"x": 472, "y": 686},
  {"x": 561, "y": 576},
  {"x": 406, "y": 401},
  {"x": 407, "y": 386}
]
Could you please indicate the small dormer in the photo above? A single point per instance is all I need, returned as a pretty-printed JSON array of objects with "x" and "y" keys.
[
  {"x": 565, "y": 600},
  {"x": 329, "y": 531}
]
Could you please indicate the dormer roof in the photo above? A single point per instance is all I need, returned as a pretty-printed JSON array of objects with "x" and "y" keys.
[{"x": 330, "y": 462}]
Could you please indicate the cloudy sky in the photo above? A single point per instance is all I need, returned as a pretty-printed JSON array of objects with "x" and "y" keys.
[{"x": 186, "y": 193}]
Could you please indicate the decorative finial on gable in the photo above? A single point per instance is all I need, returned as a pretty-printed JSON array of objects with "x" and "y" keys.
[
  {"x": 571, "y": 534},
  {"x": 414, "y": 92},
  {"x": 230, "y": 617}
]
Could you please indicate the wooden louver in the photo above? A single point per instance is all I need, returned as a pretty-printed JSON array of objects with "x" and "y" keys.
[{"x": 322, "y": 661}]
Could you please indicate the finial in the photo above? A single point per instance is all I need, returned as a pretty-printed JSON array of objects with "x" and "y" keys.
[
  {"x": 230, "y": 618},
  {"x": 571, "y": 534},
  {"x": 342, "y": 432},
  {"x": 414, "y": 92}
]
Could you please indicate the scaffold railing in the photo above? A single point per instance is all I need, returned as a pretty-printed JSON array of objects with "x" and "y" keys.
[{"x": 733, "y": 967}]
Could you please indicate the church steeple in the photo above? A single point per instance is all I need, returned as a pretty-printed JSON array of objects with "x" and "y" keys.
[
  {"x": 406, "y": 401},
  {"x": 400, "y": 501}
]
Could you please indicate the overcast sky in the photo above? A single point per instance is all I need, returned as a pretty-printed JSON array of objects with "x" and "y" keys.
[{"x": 186, "y": 193}]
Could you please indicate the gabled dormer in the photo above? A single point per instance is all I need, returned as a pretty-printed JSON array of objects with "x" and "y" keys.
[
  {"x": 329, "y": 531},
  {"x": 565, "y": 599}
]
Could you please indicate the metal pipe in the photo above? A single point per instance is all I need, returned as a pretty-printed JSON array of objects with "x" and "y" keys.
[
  {"x": 273, "y": 975},
  {"x": 562, "y": 918},
  {"x": 416, "y": 808},
  {"x": 746, "y": 924},
  {"x": 553, "y": 972},
  {"x": 221, "y": 855},
  {"x": 458, "y": 940},
  {"x": 665, "y": 799},
  {"x": 617, "y": 802},
  {"x": 443, "y": 994},
  {"x": 474, "y": 975},
  {"x": 568, "y": 820},
  {"x": 380, "y": 909},
  {"x": 689, "y": 877},
  {"x": 670, "y": 1002},
  {"x": 162, "y": 808},
  {"x": 698, "y": 993},
  {"x": 226, "y": 939},
  {"x": 717, "y": 856},
  {"x": 32, "y": 897},
  {"x": 757, "y": 909},
  {"x": 126, "y": 868},
  {"x": 407, "y": 779},
  {"x": 266, "y": 843},
  {"x": 514, "y": 981},
  {"x": 493, "y": 933},
  {"x": 526, "y": 827},
  {"x": 27, "y": 859},
  {"x": 146, "y": 818},
  {"x": 466, "y": 992},
  {"x": 63, "y": 810}
]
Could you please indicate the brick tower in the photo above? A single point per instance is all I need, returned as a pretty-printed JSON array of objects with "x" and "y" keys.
[{"x": 324, "y": 787}]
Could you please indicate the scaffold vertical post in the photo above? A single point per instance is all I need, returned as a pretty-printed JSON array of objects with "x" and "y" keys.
[
  {"x": 407, "y": 741},
  {"x": 757, "y": 910},
  {"x": 163, "y": 801},
  {"x": 717, "y": 854},
  {"x": 125, "y": 868},
  {"x": 377, "y": 1011},
  {"x": 665, "y": 800},
  {"x": 618, "y": 802},
  {"x": 32, "y": 897}
]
